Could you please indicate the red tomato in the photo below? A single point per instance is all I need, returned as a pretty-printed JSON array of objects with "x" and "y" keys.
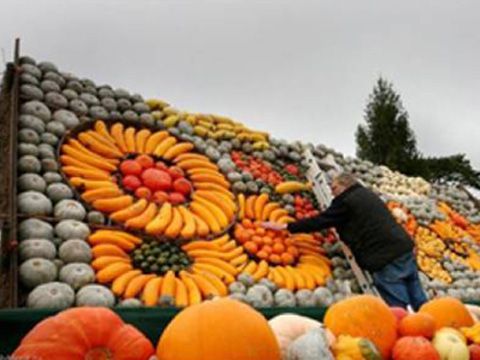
[
  {"x": 160, "y": 197},
  {"x": 130, "y": 167},
  {"x": 176, "y": 172},
  {"x": 146, "y": 161},
  {"x": 156, "y": 179},
  {"x": 161, "y": 166},
  {"x": 143, "y": 192},
  {"x": 176, "y": 198},
  {"x": 131, "y": 182},
  {"x": 183, "y": 186}
]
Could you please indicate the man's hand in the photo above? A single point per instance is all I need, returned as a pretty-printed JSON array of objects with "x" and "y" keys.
[{"x": 273, "y": 226}]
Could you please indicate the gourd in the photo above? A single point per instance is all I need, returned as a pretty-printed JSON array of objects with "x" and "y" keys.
[
  {"x": 55, "y": 100},
  {"x": 56, "y": 127},
  {"x": 32, "y": 182},
  {"x": 72, "y": 229},
  {"x": 84, "y": 333},
  {"x": 66, "y": 117},
  {"x": 29, "y": 164},
  {"x": 237, "y": 288},
  {"x": 59, "y": 191},
  {"x": 69, "y": 209},
  {"x": 37, "y": 271},
  {"x": 364, "y": 316},
  {"x": 36, "y": 108},
  {"x": 285, "y": 298},
  {"x": 305, "y": 298},
  {"x": 35, "y": 229},
  {"x": 414, "y": 347},
  {"x": 312, "y": 345},
  {"x": 354, "y": 348},
  {"x": 95, "y": 217},
  {"x": 37, "y": 248},
  {"x": 448, "y": 312},
  {"x": 95, "y": 295},
  {"x": 32, "y": 122},
  {"x": 323, "y": 297},
  {"x": 52, "y": 177},
  {"x": 77, "y": 275},
  {"x": 75, "y": 251},
  {"x": 53, "y": 295},
  {"x": 49, "y": 138},
  {"x": 31, "y": 92},
  {"x": 227, "y": 327},
  {"x": 246, "y": 279},
  {"x": 450, "y": 345},
  {"x": 27, "y": 149},
  {"x": 34, "y": 203},
  {"x": 46, "y": 151},
  {"x": 49, "y": 165},
  {"x": 130, "y": 303},
  {"x": 259, "y": 296}
]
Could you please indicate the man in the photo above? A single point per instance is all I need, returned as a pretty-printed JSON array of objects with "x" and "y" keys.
[{"x": 379, "y": 244}]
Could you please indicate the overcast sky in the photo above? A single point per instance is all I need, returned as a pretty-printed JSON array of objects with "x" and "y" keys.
[{"x": 299, "y": 69}]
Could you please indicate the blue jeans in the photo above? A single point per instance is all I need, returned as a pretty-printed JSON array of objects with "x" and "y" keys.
[{"x": 399, "y": 284}]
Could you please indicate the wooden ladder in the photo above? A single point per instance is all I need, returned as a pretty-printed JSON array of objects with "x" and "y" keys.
[{"x": 322, "y": 192}]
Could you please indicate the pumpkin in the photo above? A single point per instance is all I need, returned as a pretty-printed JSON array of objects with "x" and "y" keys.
[
  {"x": 35, "y": 229},
  {"x": 29, "y": 164},
  {"x": 49, "y": 165},
  {"x": 55, "y": 100},
  {"x": 69, "y": 209},
  {"x": 52, "y": 177},
  {"x": 46, "y": 151},
  {"x": 450, "y": 345},
  {"x": 259, "y": 296},
  {"x": 95, "y": 295},
  {"x": 311, "y": 345},
  {"x": 285, "y": 298},
  {"x": 305, "y": 298},
  {"x": 66, "y": 117},
  {"x": 95, "y": 217},
  {"x": 218, "y": 329},
  {"x": 34, "y": 203},
  {"x": 36, "y": 108},
  {"x": 56, "y": 127},
  {"x": 448, "y": 312},
  {"x": 37, "y": 271},
  {"x": 364, "y": 316},
  {"x": 86, "y": 333},
  {"x": 28, "y": 136},
  {"x": 414, "y": 347},
  {"x": 37, "y": 248},
  {"x": 288, "y": 327},
  {"x": 27, "y": 149},
  {"x": 49, "y": 85},
  {"x": 350, "y": 348},
  {"x": 58, "y": 191},
  {"x": 77, "y": 275},
  {"x": 131, "y": 303},
  {"x": 237, "y": 287},
  {"x": 72, "y": 229},
  {"x": 419, "y": 324},
  {"x": 31, "y": 182},
  {"x": 53, "y": 295},
  {"x": 32, "y": 122},
  {"x": 323, "y": 297},
  {"x": 75, "y": 251}
]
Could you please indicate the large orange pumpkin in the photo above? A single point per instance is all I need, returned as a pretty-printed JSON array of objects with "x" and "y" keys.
[
  {"x": 448, "y": 312},
  {"x": 419, "y": 324},
  {"x": 84, "y": 333},
  {"x": 218, "y": 329},
  {"x": 364, "y": 316}
]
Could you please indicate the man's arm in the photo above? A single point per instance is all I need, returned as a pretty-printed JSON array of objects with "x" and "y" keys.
[{"x": 334, "y": 215}]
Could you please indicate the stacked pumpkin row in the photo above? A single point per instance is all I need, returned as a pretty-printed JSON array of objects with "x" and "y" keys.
[{"x": 91, "y": 161}]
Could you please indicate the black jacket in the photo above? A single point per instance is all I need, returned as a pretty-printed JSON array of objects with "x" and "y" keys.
[{"x": 365, "y": 224}]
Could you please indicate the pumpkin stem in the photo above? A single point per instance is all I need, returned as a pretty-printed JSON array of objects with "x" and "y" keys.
[{"x": 99, "y": 353}]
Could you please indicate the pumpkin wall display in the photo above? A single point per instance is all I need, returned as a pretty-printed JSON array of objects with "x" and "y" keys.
[{"x": 133, "y": 202}]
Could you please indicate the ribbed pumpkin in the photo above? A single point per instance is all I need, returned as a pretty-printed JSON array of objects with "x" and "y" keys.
[
  {"x": 84, "y": 333},
  {"x": 419, "y": 324},
  {"x": 364, "y": 316},
  {"x": 218, "y": 329},
  {"x": 448, "y": 312},
  {"x": 414, "y": 347}
]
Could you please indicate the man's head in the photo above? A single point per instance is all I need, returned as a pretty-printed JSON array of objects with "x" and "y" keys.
[{"x": 342, "y": 182}]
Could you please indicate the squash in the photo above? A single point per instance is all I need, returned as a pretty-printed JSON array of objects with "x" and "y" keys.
[
  {"x": 49, "y": 165},
  {"x": 448, "y": 312},
  {"x": 227, "y": 327},
  {"x": 305, "y": 298},
  {"x": 323, "y": 297},
  {"x": 35, "y": 229},
  {"x": 75, "y": 251},
  {"x": 350, "y": 348},
  {"x": 237, "y": 288},
  {"x": 37, "y": 109},
  {"x": 27, "y": 149},
  {"x": 53, "y": 295},
  {"x": 364, "y": 316},
  {"x": 95, "y": 295},
  {"x": 59, "y": 191},
  {"x": 259, "y": 296},
  {"x": 285, "y": 298},
  {"x": 32, "y": 122},
  {"x": 29, "y": 164},
  {"x": 66, "y": 117},
  {"x": 86, "y": 333},
  {"x": 78, "y": 107},
  {"x": 414, "y": 347},
  {"x": 130, "y": 303},
  {"x": 34, "y": 203},
  {"x": 28, "y": 136},
  {"x": 49, "y": 138},
  {"x": 450, "y": 345},
  {"x": 32, "y": 182},
  {"x": 37, "y": 271},
  {"x": 37, "y": 248},
  {"x": 72, "y": 229},
  {"x": 52, "y": 177},
  {"x": 69, "y": 209},
  {"x": 49, "y": 85},
  {"x": 311, "y": 345},
  {"x": 288, "y": 327},
  {"x": 56, "y": 128},
  {"x": 95, "y": 217},
  {"x": 55, "y": 100},
  {"x": 46, "y": 151},
  {"x": 30, "y": 92},
  {"x": 77, "y": 275},
  {"x": 419, "y": 324}
]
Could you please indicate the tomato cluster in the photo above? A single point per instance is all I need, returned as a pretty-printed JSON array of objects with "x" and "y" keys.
[
  {"x": 155, "y": 180},
  {"x": 304, "y": 208},
  {"x": 258, "y": 168}
]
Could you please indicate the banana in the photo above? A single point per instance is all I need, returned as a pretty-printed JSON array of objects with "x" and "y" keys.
[
  {"x": 102, "y": 129},
  {"x": 206, "y": 215},
  {"x": 261, "y": 271},
  {"x": 164, "y": 145},
  {"x": 112, "y": 271},
  {"x": 308, "y": 278},
  {"x": 215, "y": 281},
  {"x": 194, "y": 163},
  {"x": 101, "y": 193},
  {"x": 207, "y": 289},
  {"x": 141, "y": 139},
  {"x": 250, "y": 207},
  {"x": 151, "y": 291},
  {"x": 194, "y": 294},
  {"x": 117, "y": 134},
  {"x": 288, "y": 187},
  {"x": 239, "y": 260},
  {"x": 277, "y": 214},
  {"x": 141, "y": 220},
  {"x": 251, "y": 267},
  {"x": 298, "y": 279},
  {"x": 287, "y": 278},
  {"x": 190, "y": 156},
  {"x": 120, "y": 283},
  {"x": 173, "y": 230},
  {"x": 160, "y": 222},
  {"x": 222, "y": 264},
  {"x": 217, "y": 200},
  {"x": 181, "y": 294},
  {"x": 189, "y": 227},
  {"x": 154, "y": 140},
  {"x": 214, "y": 187},
  {"x": 133, "y": 210},
  {"x": 217, "y": 271},
  {"x": 220, "y": 216},
  {"x": 177, "y": 149},
  {"x": 87, "y": 159},
  {"x": 129, "y": 136},
  {"x": 201, "y": 226},
  {"x": 113, "y": 204},
  {"x": 241, "y": 206},
  {"x": 208, "y": 178},
  {"x": 259, "y": 205},
  {"x": 221, "y": 240},
  {"x": 278, "y": 279}
]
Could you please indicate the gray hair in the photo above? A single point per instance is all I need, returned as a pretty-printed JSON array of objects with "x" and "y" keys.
[{"x": 345, "y": 179}]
